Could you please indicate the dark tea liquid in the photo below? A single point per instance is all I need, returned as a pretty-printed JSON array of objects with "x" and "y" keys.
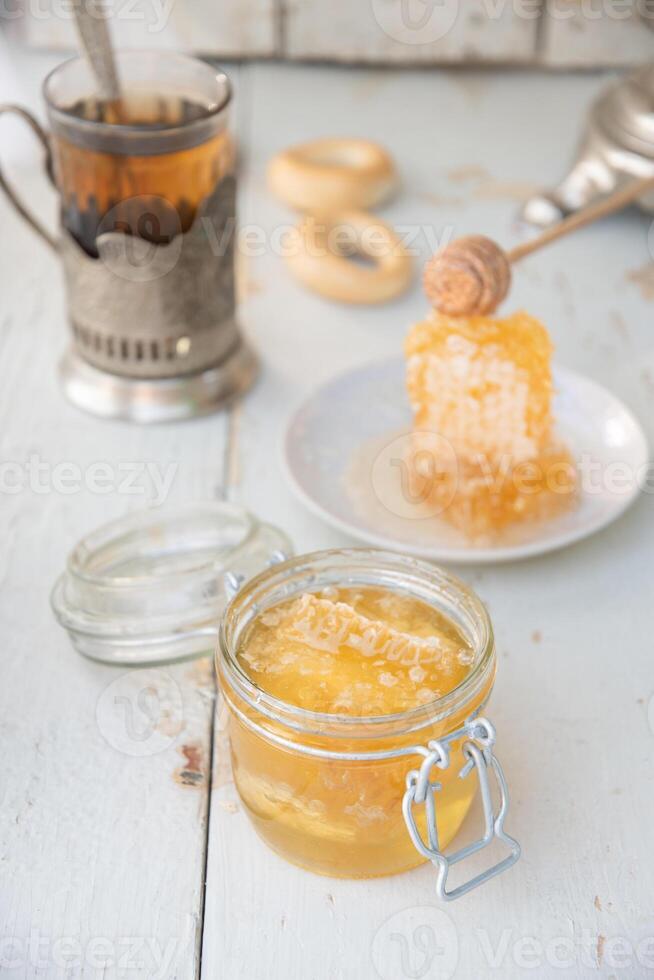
[{"x": 144, "y": 172}]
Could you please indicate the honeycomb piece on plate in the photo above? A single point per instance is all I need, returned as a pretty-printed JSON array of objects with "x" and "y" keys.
[{"x": 483, "y": 451}]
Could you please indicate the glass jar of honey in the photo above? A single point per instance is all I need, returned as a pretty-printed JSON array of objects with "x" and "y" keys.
[{"x": 356, "y": 683}]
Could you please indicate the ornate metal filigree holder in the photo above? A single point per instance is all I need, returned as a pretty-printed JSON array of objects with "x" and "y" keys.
[{"x": 154, "y": 331}]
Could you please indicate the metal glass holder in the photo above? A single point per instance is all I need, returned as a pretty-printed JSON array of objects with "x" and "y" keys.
[
  {"x": 155, "y": 336},
  {"x": 156, "y": 400}
]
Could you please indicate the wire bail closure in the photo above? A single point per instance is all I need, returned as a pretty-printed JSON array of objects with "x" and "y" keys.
[
  {"x": 234, "y": 581},
  {"x": 421, "y": 790}
]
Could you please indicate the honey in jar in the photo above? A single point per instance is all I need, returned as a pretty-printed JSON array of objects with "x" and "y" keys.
[{"x": 339, "y": 669}]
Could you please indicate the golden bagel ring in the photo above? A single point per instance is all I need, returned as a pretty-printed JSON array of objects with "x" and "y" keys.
[
  {"x": 332, "y": 174},
  {"x": 320, "y": 256}
]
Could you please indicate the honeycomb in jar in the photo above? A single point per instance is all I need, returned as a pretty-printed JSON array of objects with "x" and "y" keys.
[
  {"x": 355, "y": 651},
  {"x": 483, "y": 452}
]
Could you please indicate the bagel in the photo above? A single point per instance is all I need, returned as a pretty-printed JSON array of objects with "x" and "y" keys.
[
  {"x": 321, "y": 255},
  {"x": 332, "y": 174}
]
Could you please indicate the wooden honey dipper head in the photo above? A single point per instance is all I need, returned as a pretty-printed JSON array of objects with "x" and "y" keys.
[
  {"x": 472, "y": 276},
  {"x": 469, "y": 277}
]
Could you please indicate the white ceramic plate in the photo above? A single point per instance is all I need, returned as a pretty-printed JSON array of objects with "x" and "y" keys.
[{"x": 344, "y": 441}]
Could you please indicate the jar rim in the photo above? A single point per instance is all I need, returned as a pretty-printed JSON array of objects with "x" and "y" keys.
[{"x": 310, "y": 722}]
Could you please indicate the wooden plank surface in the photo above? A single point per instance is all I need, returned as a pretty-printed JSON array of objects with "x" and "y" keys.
[
  {"x": 571, "y": 33},
  {"x": 587, "y": 34},
  {"x": 575, "y": 681},
  {"x": 102, "y": 839},
  {"x": 228, "y": 29},
  {"x": 102, "y": 828},
  {"x": 410, "y": 31}
]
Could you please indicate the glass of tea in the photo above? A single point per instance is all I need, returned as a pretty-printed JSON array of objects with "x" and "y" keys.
[
  {"x": 143, "y": 163},
  {"x": 154, "y": 167}
]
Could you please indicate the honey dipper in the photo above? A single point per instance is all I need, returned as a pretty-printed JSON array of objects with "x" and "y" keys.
[{"x": 472, "y": 276}]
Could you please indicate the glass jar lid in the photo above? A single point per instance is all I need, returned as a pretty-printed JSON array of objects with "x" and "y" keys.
[{"x": 152, "y": 586}]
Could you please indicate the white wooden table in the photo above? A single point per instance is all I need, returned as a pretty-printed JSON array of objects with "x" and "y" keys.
[{"x": 111, "y": 820}]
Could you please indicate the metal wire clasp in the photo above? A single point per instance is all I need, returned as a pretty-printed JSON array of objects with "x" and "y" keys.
[
  {"x": 234, "y": 580},
  {"x": 479, "y": 737}
]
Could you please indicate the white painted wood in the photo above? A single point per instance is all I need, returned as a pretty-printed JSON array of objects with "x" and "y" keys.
[
  {"x": 410, "y": 31},
  {"x": 584, "y": 34},
  {"x": 588, "y": 34},
  {"x": 230, "y": 28},
  {"x": 100, "y": 846},
  {"x": 575, "y": 682},
  {"x": 102, "y": 833}
]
